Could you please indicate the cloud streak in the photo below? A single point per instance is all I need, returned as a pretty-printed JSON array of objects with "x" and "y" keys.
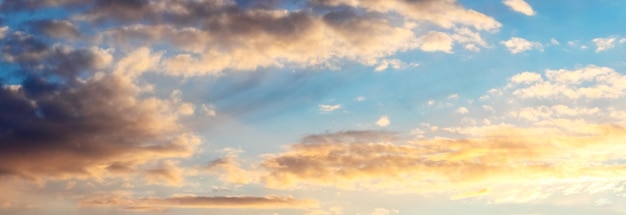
[{"x": 151, "y": 204}]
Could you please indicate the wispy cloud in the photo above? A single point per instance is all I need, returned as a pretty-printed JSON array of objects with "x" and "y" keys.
[
  {"x": 329, "y": 108},
  {"x": 520, "y": 6}
]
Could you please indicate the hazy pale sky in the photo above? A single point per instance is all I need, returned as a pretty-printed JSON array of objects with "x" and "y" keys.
[{"x": 313, "y": 107}]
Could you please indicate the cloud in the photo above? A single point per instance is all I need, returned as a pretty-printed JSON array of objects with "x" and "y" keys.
[
  {"x": 521, "y": 152},
  {"x": 554, "y": 41},
  {"x": 502, "y": 157},
  {"x": 520, "y": 6},
  {"x": 436, "y": 41},
  {"x": 228, "y": 169},
  {"x": 446, "y": 14},
  {"x": 329, "y": 108},
  {"x": 3, "y": 31},
  {"x": 167, "y": 172},
  {"x": 383, "y": 121},
  {"x": 60, "y": 29},
  {"x": 316, "y": 34},
  {"x": 518, "y": 45},
  {"x": 462, "y": 110},
  {"x": 68, "y": 120},
  {"x": 600, "y": 82},
  {"x": 603, "y": 44},
  {"x": 268, "y": 202},
  {"x": 394, "y": 64}
]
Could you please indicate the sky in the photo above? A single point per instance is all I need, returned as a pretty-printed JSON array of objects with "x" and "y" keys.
[{"x": 312, "y": 107}]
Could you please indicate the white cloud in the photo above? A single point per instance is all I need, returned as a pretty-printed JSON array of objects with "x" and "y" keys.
[
  {"x": 453, "y": 96},
  {"x": 526, "y": 77},
  {"x": 462, "y": 110},
  {"x": 554, "y": 41},
  {"x": 518, "y": 45},
  {"x": 520, "y": 6},
  {"x": 393, "y": 64},
  {"x": 329, "y": 108},
  {"x": 603, "y": 44},
  {"x": 209, "y": 110},
  {"x": 436, "y": 41},
  {"x": 360, "y": 98},
  {"x": 383, "y": 121}
]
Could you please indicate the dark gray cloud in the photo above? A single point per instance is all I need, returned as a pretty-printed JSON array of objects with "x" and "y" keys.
[
  {"x": 13, "y": 6},
  {"x": 64, "y": 120},
  {"x": 60, "y": 29}
]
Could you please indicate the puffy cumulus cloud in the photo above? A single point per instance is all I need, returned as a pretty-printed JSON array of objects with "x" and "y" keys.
[
  {"x": 518, "y": 45},
  {"x": 520, "y": 6},
  {"x": 152, "y": 204},
  {"x": 383, "y": 121},
  {"x": 590, "y": 82},
  {"x": 603, "y": 44},
  {"x": 69, "y": 118},
  {"x": 208, "y": 37}
]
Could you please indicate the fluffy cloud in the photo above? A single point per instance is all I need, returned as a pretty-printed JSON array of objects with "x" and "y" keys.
[
  {"x": 208, "y": 37},
  {"x": 518, "y": 45},
  {"x": 590, "y": 82},
  {"x": 66, "y": 119},
  {"x": 603, "y": 44},
  {"x": 520, "y": 6},
  {"x": 268, "y": 202},
  {"x": 383, "y": 121}
]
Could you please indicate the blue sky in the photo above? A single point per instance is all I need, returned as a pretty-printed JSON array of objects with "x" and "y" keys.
[{"x": 317, "y": 107}]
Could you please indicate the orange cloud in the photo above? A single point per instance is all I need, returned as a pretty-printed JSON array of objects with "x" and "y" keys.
[
  {"x": 502, "y": 156},
  {"x": 268, "y": 202}
]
